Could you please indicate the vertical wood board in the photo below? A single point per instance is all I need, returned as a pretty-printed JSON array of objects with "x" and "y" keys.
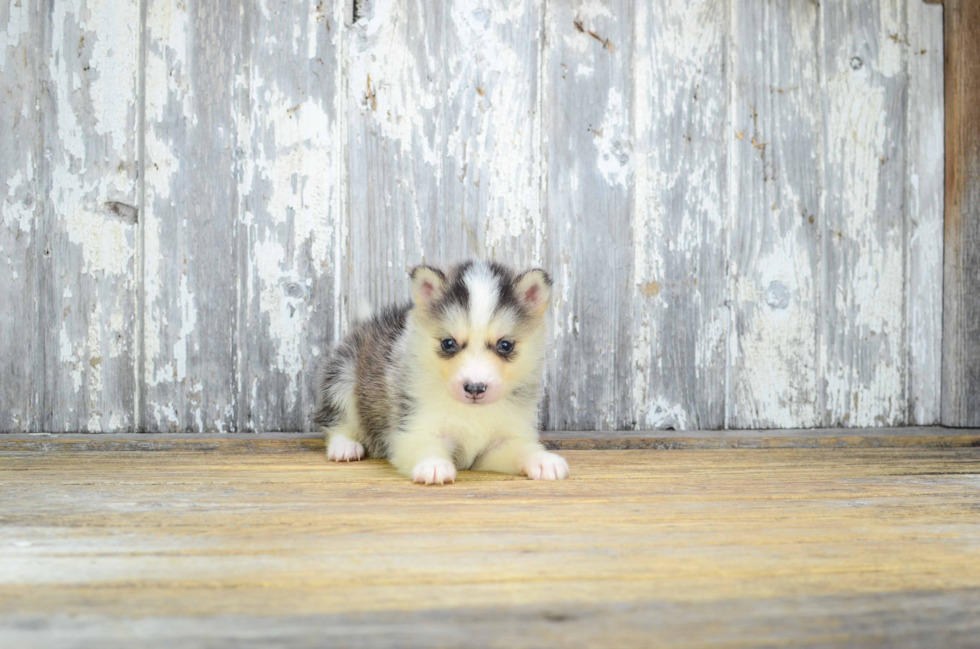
[
  {"x": 194, "y": 81},
  {"x": 741, "y": 203},
  {"x": 775, "y": 215},
  {"x": 88, "y": 66},
  {"x": 19, "y": 142},
  {"x": 925, "y": 187},
  {"x": 678, "y": 285},
  {"x": 444, "y": 131},
  {"x": 863, "y": 334},
  {"x": 961, "y": 298},
  {"x": 292, "y": 229}
]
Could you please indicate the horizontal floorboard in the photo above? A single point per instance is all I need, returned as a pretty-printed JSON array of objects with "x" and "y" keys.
[
  {"x": 250, "y": 547},
  {"x": 917, "y": 436}
]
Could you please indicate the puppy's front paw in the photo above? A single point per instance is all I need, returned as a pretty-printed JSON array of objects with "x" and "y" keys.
[
  {"x": 344, "y": 449},
  {"x": 434, "y": 470},
  {"x": 543, "y": 465}
]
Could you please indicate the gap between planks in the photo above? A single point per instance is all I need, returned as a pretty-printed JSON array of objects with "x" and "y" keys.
[{"x": 825, "y": 438}]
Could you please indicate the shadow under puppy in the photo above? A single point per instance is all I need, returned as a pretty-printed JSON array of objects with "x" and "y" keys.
[{"x": 451, "y": 381}]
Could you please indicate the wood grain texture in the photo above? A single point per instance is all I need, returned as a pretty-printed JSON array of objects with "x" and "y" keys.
[
  {"x": 560, "y": 440},
  {"x": 775, "y": 215},
  {"x": 196, "y": 197},
  {"x": 898, "y": 620},
  {"x": 292, "y": 225},
  {"x": 961, "y": 306},
  {"x": 87, "y": 230},
  {"x": 924, "y": 291},
  {"x": 863, "y": 333},
  {"x": 442, "y": 106},
  {"x": 589, "y": 166},
  {"x": 681, "y": 119},
  {"x": 19, "y": 162},
  {"x": 191, "y": 283},
  {"x": 687, "y": 548}
]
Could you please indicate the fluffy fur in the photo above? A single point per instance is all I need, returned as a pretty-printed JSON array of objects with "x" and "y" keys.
[{"x": 448, "y": 381}]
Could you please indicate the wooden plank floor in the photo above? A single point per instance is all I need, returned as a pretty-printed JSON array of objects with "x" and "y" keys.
[{"x": 253, "y": 547}]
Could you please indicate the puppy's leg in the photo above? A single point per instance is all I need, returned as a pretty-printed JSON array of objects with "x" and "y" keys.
[
  {"x": 335, "y": 408},
  {"x": 522, "y": 456},
  {"x": 423, "y": 456}
]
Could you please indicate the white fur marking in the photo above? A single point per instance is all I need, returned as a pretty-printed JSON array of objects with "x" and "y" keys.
[
  {"x": 477, "y": 369},
  {"x": 344, "y": 449},
  {"x": 434, "y": 470},
  {"x": 542, "y": 465},
  {"x": 483, "y": 288}
]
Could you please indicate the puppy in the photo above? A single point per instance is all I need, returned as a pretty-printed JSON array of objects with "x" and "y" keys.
[{"x": 449, "y": 381}]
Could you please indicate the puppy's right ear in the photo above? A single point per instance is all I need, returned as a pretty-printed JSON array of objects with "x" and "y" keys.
[{"x": 427, "y": 285}]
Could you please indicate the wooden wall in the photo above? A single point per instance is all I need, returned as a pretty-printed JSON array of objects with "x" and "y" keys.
[
  {"x": 961, "y": 316},
  {"x": 741, "y": 202}
]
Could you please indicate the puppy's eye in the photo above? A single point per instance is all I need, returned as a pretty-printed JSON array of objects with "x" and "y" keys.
[
  {"x": 505, "y": 347},
  {"x": 449, "y": 346}
]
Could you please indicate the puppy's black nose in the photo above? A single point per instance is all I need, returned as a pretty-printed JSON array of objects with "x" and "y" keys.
[{"x": 476, "y": 389}]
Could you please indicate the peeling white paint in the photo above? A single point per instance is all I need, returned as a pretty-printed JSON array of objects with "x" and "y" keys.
[
  {"x": 402, "y": 111},
  {"x": 457, "y": 110},
  {"x": 157, "y": 182},
  {"x": 284, "y": 313},
  {"x": 96, "y": 363},
  {"x": 14, "y": 211},
  {"x": 612, "y": 139},
  {"x": 115, "y": 26},
  {"x": 678, "y": 213},
  {"x": 300, "y": 169},
  {"x": 642, "y": 353},
  {"x": 661, "y": 414},
  {"x": 495, "y": 77},
  {"x": 188, "y": 322},
  {"x": 926, "y": 144},
  {"x": 70, "y": 358},
  {"x": 104, "y": 242},
  {"x": 868, "y": 303},
  {"x": 167, "y": 84},
  {"x": 165, "y": 416},
  {"x": 17, "y": 27},
  {"x": 86, "y": 111}
]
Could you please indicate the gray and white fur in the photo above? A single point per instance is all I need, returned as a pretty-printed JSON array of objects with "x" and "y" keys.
[{"x": 448, "y": 381}]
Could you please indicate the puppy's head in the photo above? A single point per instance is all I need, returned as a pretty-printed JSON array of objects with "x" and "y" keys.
[{"x": 482, "y": 330}]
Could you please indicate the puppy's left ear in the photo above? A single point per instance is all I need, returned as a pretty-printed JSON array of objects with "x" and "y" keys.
[
  {"x": 533, "y": 290},
  {"x": 427, "y": 284}
]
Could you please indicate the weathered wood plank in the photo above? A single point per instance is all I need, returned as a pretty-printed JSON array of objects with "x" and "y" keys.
[
  {"x": 678, "y": 283},
  {"x": 444, "y": 134},
  {"x": 775, "y": 215},
  {"x": 19, "y": 156},
  {"x": 924, "y": 291},
  {"x": 961, "y": 297},
  {"x": 292, "y": 223},
  {"x": 897, "y": 620},
  {"x": 589, "y": 160},
  {"x": 839, "y": 438},
  {"x": 88, "y": 63},
  {"x": 194, "y": 81},
  {"x": 470, "y": 123},
  {"x": 638, "y": 548},
  {"x": 863, "y": 336}
]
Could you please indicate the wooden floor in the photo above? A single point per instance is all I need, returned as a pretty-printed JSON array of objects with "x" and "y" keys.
[{"x": 248, "y": 546}]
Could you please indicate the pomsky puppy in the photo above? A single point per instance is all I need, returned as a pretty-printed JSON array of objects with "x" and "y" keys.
[{"x": 449, "y": 381}]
